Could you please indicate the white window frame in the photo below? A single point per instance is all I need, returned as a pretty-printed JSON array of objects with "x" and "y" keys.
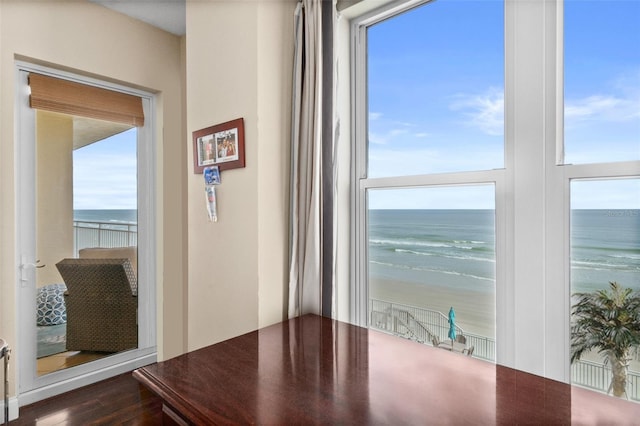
[
  {"x": 532, "y": 191},
  {"x": 361, "y": 183}
]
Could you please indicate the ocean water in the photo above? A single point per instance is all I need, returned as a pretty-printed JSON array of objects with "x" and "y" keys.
[
  {"x": 112, "y": 216},
  {"x": 605, "y": 246},
  {"x": 458, "y": 247},
  {"x": 409, "y": 244}
]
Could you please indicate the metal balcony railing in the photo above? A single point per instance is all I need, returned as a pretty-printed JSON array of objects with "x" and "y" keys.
[
  {"x": 104, "y": 234},
  {"x": 597, "y": 376},
  {"x": 422, "y": 324}
]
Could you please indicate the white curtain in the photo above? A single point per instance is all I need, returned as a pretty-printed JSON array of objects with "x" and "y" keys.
[{"x": 305, "y": 267}]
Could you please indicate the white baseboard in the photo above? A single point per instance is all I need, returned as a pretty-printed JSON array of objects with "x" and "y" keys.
[
  {"x": 83, "y": 380},
  {"x": 13, "y": 409}
]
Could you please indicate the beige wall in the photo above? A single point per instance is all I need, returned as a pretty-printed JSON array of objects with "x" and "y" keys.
[
  {"x": 54, "y": 177},
  {"x": 234, "y": 62},
  {"x": 95, "y": 41},
  {"x": 275, "y": 64},
  {"x": 238, "y": 65}
]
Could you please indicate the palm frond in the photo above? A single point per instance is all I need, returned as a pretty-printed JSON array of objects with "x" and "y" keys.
[{"x": 606, "y": 320}]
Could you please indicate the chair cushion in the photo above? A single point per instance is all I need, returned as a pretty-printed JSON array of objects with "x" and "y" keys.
[{"x": 51, "y": 309}]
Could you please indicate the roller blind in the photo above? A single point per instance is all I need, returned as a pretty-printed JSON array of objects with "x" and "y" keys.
[{"x": 68, "y": 97}]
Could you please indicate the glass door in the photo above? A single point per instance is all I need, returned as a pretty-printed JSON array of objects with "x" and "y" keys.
[
  {"x": 86, "y": 208},
  {"x": 86, "y": 279}
]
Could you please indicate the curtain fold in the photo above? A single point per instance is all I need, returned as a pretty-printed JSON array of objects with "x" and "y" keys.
[{"x": 308, "y": 284}]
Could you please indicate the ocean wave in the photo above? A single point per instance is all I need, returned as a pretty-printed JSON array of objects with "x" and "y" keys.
[
  {"x": 448, "y": 256},
  {"x": 468, "y": 242},
  {"x": 625, "y": 256},
  {"x": 601, "y": 262},
  {"x": 626, "y": 250},
  {"x": 599, "y": 266},
  {"x": 457, "y": 244},
  {"x": 591, "y": 263},
  {"x": 418, "y": 253},
  {"x": 618, "y": 268},
  {"x": 422, "y": 269},
  {"x": 410, "y": 243}
]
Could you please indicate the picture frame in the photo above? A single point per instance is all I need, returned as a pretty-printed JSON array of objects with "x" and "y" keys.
[{"x": 221, "y": 145}]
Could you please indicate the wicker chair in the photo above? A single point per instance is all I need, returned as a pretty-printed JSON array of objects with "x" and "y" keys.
[{"x": 102, "y": 304}]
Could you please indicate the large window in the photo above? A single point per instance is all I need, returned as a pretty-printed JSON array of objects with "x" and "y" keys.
[
  {"x": 601, "y": 81},
  {"x": 435, "y": 90},
  {"x": 601, "y": 141},
  {"x": 605, "y": 231},
  {"x": 433, "y": 151},
  {"x": 605, "y": 285},
  {"x": 527, "y": 112},
  {"x": 430, "y": 250}
]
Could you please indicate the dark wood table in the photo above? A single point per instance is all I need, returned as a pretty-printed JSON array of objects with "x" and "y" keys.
[{"x": 314, "y": 370}]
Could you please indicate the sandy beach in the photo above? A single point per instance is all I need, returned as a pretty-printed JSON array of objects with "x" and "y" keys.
[{"x": 475, "y": 310}]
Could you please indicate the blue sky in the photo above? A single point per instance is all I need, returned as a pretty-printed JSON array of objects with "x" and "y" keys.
[
  {"x": 441, "y": 110},
  {"x": 602, "y": 80},
  {"x": 104, "y": 173},
  {"x": 446, "y": 103},
  {"x": 421, "y": 86}
]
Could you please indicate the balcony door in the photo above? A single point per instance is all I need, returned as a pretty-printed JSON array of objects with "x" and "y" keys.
[{"x": 85, "y": 215}]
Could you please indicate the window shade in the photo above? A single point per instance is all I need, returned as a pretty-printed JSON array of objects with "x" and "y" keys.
[{"x": 68, "y": 97}]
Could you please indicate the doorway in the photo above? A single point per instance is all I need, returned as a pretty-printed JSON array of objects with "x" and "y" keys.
[
  {"x": 86, "y": 197},
  {"x": 96, "y": 218}
]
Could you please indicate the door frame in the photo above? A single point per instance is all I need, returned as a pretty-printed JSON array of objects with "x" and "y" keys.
[{"x": 31, "y": 387}]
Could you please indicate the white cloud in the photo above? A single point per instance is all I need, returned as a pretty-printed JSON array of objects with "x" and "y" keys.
[
  {"x": 602, "y": 108},
  {"x": 616, "y": 102},
  {"x": 605, "y": 194},
  {"x": 389, "y": 136},
  {"x": 435, "y": 197},
  {"x": 373, "y": 116},
  {"x": 483, "y": 111},
  {"x": 386, "y": 161},
  {"x": 108, "y": 181},
  {"x": 404, "y": 124},
  {"x": 627, "y": 82},
  {"x": 385, "y": 131},
  {"x": 105, "y": 175}
]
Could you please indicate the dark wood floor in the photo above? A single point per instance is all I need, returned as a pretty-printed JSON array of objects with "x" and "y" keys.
[{"x": 120, "y": 400}]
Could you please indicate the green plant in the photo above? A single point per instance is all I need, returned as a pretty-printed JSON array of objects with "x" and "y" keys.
[{"x": 609, "y": 322}]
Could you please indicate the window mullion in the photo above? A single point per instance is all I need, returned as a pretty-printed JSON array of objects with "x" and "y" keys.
[{"x": 464, "y": 178}]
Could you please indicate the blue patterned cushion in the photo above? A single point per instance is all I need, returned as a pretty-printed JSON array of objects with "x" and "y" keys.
[{"x": 50, "y": 303}]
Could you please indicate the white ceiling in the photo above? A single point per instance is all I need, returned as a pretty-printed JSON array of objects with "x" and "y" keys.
[{"x": 168, "y": 15}]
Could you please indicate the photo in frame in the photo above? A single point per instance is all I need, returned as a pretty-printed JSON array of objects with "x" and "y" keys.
[{"x": 221, "y": 145}]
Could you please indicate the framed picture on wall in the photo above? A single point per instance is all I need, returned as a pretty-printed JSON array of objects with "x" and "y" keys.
[{"x": 221, "y": 145}]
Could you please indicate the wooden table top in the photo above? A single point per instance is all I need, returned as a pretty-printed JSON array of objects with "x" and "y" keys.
[{"x": 314, "y": 370}]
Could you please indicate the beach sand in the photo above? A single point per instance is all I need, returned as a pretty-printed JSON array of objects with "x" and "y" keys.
[{"x": 475, "y": 310}]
